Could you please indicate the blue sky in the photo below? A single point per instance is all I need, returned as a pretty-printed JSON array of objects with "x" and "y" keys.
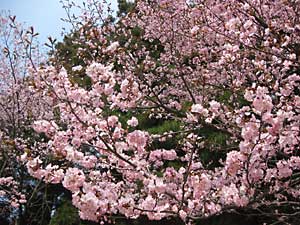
[{"x": 43, "y": 15}]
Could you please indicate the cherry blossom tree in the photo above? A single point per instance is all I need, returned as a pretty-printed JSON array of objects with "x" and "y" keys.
[
  {"x": 20, "y": 105},
  {"x": 12, "y": 104},
  {"x": 192, "y": 110}
]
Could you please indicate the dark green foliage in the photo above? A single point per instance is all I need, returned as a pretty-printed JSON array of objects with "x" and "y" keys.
[
  {"x": 229, "y": 98},
  {"x": 224, "y": 96},
  {"x": 136, "y": 32},
  {"x": 67, "y": 52},
  {"x": 165, "y": 126},
  {"x": 215, "y": 141},
  {"x": 124, "y": 7},
  {"x": 67, "y": 214},
  {"x": 230, "y": 219}
]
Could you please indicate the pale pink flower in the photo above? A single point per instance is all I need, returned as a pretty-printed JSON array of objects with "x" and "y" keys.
[
  {"x": 133, "y": 122},
  {"x": 195, "y": 30},
  {"x": 113, "y": 47},
  {"x": 112, "y": 121},
  {"x": 77, "y": 68},
  {"x": 169, "y": 154},
  {"x": 74, "y": 179},
  {"x": 137, "y": 139},
  {"x": 199, "y": 109}
]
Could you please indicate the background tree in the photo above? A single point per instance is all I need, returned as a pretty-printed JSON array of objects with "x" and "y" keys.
[{"x": 24, "y": 199}]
